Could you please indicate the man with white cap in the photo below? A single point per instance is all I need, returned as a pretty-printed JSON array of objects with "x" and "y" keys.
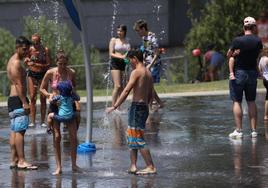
[{"x": 248, "y": 47}]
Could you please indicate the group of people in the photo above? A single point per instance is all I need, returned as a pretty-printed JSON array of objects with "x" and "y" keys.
[
  {"x": 30, "y": 64},
  {"x": 119, "y": 47},
  {"x": 209, "y": 65},
  {"x": 145, "y": 62}
]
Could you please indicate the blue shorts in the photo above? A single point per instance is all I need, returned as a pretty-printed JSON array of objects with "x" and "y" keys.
[
  {"x": 156, "y": 72},
  {"x": 137, "y": 116},
  {"x": 63, "y": 118},
  {"x": 246, "y": 81},
  {"x": 19, "y": 120}
]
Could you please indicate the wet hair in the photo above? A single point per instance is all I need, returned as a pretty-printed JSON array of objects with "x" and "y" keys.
[
  {"x": 21, "y": 40},
  {"x": 61, "y": 53},
  {"x": 123, "y": 28},
  {"x": 135, "y": 53},
  {"x": 65, "y": 88},
  {"x": 140, "y": 24}
]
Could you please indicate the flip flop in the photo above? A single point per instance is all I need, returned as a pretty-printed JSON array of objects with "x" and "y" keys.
[
  {"x": 146, "y": 171},
  {"x": 30, "y": 167},
  {"x": 14, "y": 166}
]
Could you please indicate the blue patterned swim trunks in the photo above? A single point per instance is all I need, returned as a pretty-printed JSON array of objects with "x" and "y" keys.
[{"x": 138, "y": 114}]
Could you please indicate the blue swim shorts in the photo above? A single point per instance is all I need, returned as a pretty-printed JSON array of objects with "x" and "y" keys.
[
  {"x": 19, "y": 120},
  {"x": 246, "y": 81},
  {"x": 138, "y": 114},
  {"x": 63, "y": 118}
]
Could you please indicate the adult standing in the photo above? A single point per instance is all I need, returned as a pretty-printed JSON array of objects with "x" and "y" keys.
[
  {"x": 263, "y": 68},
  {"x": 150, "y": 48},
  {"x": 246, "y": 76},
  {"x": 52, "y": 77},
  {"x": 118, "y": 47},
  {"x": 18, "y": 105},
  {"x": 38, "y": 63}
]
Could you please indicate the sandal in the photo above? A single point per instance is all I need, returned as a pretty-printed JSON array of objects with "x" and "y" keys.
[
  {"x": 146, "y": 171},
  {"x": 29, "y": 167},
  {"x": 13, "y": 166}
]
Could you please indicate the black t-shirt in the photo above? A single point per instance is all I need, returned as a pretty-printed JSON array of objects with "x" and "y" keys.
[{"x": 250, "y": 47}]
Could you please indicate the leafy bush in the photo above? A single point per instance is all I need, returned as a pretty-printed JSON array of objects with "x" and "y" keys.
[
  {"x": 220, "y": 22},
  {"x": 7, "y": 47},
  {"x": 55, "y": 36}
]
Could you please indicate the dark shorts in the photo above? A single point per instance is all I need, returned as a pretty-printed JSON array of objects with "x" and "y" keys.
[
  {"x": 117, "y": 64},
  {"x": 19, "y": 120},
  {"x": 137, "y": 116},
  {"x": 246, "y": 81},
  {"x": 36, "y": 75}
]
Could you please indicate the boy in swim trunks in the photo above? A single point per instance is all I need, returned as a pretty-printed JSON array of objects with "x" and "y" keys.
[
  {"x": 18, "y": 105},
  {"x": 141, "y": 82}
]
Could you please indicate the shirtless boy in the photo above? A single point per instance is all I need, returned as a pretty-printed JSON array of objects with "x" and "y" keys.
[
  {"x": 141, "y": 82},
  {"x": 18, "y": 105}
]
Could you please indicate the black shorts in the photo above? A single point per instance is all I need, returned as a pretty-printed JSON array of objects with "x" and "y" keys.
[
  {"x": 14, "y": 103},
  {"x": 117, "y": 64},
  {"x": 36, "y": 75}
]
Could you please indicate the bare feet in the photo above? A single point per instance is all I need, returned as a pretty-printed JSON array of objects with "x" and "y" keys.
[
  {"x": 146, "y": 171},
  {"x": 57, "y": 172},
  {"x": 77, "y": 169},
  {"x": 132, "y": 170},
  {"x": 265, "y": 118}
]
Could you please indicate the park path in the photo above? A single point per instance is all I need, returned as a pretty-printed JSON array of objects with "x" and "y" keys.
[{"x": 161, "y": 95}]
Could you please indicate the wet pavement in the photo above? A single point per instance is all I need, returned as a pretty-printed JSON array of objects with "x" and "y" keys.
[{"x": 188, "y": 141}]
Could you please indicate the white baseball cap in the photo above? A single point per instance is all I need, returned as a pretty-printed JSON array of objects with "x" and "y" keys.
[{"x": 249, "y": 21}]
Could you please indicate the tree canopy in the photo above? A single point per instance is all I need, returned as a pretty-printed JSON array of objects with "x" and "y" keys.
[{"x": 220, "y": 21}]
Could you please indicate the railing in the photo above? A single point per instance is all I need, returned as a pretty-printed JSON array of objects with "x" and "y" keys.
[{"x": 174, "y": 70}]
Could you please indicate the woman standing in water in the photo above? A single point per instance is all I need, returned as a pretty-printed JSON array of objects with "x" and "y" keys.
[
  {"x": 53, "y": 77},
  {"x": 38, "y": 63},
  {"x": 118, "y": 48}
]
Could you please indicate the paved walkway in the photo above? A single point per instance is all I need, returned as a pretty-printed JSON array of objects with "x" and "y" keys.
[
  {"x": 162, "y": 95},
  {"x": 173, "y": 95}
]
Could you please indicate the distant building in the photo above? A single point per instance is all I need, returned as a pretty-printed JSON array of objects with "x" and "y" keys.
[{"x": 167, "y": 18}]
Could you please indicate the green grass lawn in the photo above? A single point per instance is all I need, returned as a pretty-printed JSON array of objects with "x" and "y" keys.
[{"x": 165, "y": 87}]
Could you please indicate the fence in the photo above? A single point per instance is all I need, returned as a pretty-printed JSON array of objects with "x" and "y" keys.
[{"x": 174, "y": 70}]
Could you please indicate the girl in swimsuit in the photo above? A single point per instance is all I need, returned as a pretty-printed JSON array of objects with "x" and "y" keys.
[
  {"x": 118, "y": 48},
  {"x": 37, "y": 63},
  {"x": 53, "y": 77}
]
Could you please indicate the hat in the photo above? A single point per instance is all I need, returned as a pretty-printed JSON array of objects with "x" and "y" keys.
[{"x": 249, "y": 21}]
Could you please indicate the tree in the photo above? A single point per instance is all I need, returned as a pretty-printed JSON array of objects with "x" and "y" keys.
[
  {"x": 58, "y": 36},
  {"x": 7, "y": 47},
  {"x": 55, "y": 36},
  {"x": 220, "y": 21}
]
